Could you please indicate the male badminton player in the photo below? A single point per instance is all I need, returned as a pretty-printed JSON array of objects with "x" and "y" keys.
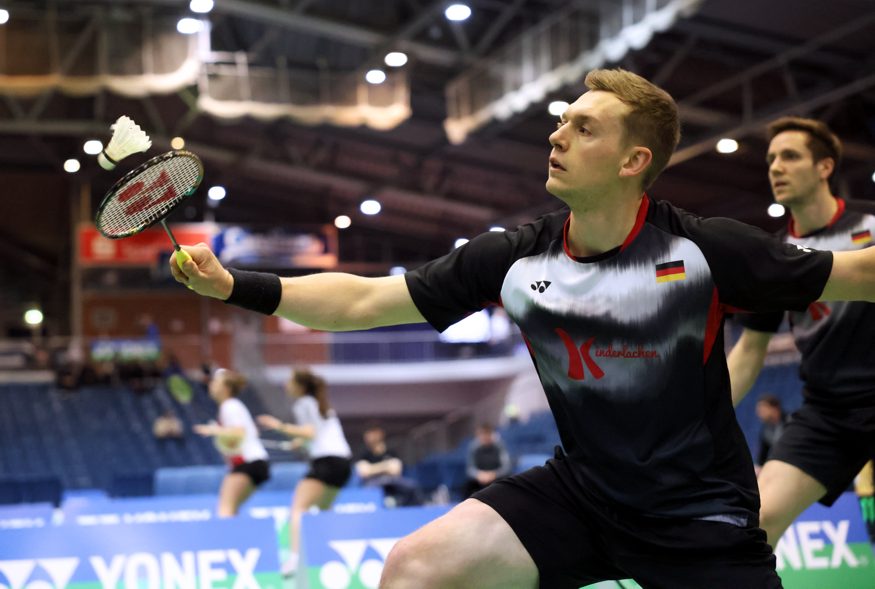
[
  {"x": 829, "y": 439},
  {"x": 655, "y": 481}
]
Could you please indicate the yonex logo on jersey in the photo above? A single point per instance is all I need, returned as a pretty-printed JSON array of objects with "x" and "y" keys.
[
  {"x": 541, "y": 285},
  {"x": 670, "y": 271},
  {"x": 802, "y": 248},
  {"x": 861, "y": 237}
]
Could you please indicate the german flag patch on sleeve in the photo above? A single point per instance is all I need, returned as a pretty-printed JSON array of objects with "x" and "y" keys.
[{"x": 670, "y": 271}]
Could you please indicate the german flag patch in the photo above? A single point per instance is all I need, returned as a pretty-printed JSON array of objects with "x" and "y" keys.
[
  {"x": 861, "y": 237},
  {"x": 670, "y": 271}
]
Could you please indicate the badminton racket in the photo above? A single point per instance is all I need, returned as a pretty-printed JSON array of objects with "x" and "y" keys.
[
  {"x": 179, "y": 387},
  {"x": 148, "y": 194}
]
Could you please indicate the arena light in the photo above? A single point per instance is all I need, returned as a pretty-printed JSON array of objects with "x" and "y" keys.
[
  {"x": 177, "y": 143},
  {"x": 33, "y": 317},
  {"x": 396, "y": 270},
  {"x": 201, "y": 6},
  {"x": 189, "y": 26},
  {"x": 460, "y": 242},
  {"x": 72, "y": 165},
  {"x": 375, "y": 76},
  {"x": 557, "y": 107},
  {"x": 457, "y": 12},
  {"x": 775, "y": 210},
  {"x": 4, "y": 16},
  {"x": 395, "y": 59},
  {"x": 727, "y": 145},
  {"x": 873, "y": 176},
  {"x": 342, "y": 221},
  {"x": 497, "y": 229},
  {"x": 93, "y": 146},
  {"x": 216, "y": 193},
  {"x": 370, "y": 207}
]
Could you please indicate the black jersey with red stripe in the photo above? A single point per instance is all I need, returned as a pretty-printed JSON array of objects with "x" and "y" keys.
[
  {"x": 835, "y": 338},
  {"x": 628, "y": 345}
]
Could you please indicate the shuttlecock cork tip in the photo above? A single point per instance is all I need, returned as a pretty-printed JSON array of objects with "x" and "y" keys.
[{"x": 127, "y": 138}]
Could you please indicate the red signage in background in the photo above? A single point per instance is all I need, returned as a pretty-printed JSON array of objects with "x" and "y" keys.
[{"x": 142, "y": 249}]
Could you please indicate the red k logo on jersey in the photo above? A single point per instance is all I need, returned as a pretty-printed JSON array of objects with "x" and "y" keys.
[
  {"x": 818, "y": 310},
  {"x": 576, "y": 359}
]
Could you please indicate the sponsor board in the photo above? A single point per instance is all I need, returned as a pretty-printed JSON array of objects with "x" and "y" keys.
[
  {"x": 347, "y": 551},
  {"x": 827, "y": 548},
  {"x": 232, "y": 554},
  {"x": 29, "y": 515}
]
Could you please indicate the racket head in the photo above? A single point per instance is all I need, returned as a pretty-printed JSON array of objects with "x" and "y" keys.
[
  {"x": 180, "y": 388},
  {"x": 147, "y": 194}
]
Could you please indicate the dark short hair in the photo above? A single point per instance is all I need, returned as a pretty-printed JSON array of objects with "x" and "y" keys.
[{"x": 822, "y": 142}]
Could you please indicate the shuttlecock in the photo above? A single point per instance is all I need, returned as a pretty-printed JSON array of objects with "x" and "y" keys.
[{"x": 127, "y": 138}]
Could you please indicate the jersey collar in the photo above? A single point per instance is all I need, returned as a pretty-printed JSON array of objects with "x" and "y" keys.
[
  {"x": 840, "y": 209},
  {"x": 636, "y": 229}
]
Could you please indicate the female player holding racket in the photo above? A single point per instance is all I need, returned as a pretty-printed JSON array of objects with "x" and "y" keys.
[
  {"x": 236, "y": 437},
  {"x": 330, "y": 456}
]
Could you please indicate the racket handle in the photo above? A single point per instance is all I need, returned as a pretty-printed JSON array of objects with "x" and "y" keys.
[{"x": 181, "y": 258}]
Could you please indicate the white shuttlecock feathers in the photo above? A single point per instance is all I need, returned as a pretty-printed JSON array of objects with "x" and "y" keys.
[{"x": 127, "y": 138}]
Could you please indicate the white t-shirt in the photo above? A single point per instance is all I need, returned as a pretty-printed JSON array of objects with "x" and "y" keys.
[
  {"x": 233, "y": 413},
  {"x": 329, "y": 439}
]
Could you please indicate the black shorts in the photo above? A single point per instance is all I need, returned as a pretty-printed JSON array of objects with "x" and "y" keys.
[
  {"x": 577, "y": 541},
  {"x": 334, "y": 471},
  {"x": 830, "y": 444},
  {"x": 258, "y": 471}
]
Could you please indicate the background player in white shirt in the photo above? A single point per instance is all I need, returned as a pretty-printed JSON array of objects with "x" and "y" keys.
[
  {"x": 236, "y": 437},
  {"x": 318, "y": 429}
]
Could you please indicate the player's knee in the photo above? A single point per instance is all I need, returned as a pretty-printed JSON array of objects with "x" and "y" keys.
[
  {"x": 411, "y": 564},
  {"x": 405, "y": 567}
]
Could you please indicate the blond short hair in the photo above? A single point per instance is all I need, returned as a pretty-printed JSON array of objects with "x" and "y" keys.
[{"x": 653, "y": 116}]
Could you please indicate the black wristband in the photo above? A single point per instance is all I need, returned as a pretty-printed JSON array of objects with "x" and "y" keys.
[{"x": 256, "y": 291}]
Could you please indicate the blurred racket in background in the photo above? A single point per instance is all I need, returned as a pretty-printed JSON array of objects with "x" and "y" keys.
[{"x": 181, "y": 389}]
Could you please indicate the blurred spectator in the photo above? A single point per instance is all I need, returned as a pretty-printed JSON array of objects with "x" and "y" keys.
[
  {"x": 487, "y": 460},
  {"x": 379, "y": 467},
  {"x": 167, "y": 426},
  {"x": 771, "y": 414}
]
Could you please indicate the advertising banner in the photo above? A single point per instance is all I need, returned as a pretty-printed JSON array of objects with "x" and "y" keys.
[
  {"x": 232, "y": 554},
  {"x": 347, "y": 551},
  {"x": 312, "y": 248},
  {"x": 827, "y": 548},
  {"x": 29, "y": 515},
  {"x": 142, "y": 249}
]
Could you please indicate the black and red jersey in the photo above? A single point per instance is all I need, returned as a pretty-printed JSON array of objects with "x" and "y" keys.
[
  {"x": 629, "y": 348},
  {"x": 835, "y": 338}
]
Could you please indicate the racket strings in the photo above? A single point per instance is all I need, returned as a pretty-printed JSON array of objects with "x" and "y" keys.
[{"x": 148, "y": 196}]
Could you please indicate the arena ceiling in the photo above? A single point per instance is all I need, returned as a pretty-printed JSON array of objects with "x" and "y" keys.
[{"x": 733, "y": 65}]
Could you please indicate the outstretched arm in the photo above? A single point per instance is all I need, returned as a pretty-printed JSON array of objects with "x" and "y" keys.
[
  {"x": 745, "y": 362},
  {"x": 330, "y": 301},
  {"x": 852, "y": 277}
]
